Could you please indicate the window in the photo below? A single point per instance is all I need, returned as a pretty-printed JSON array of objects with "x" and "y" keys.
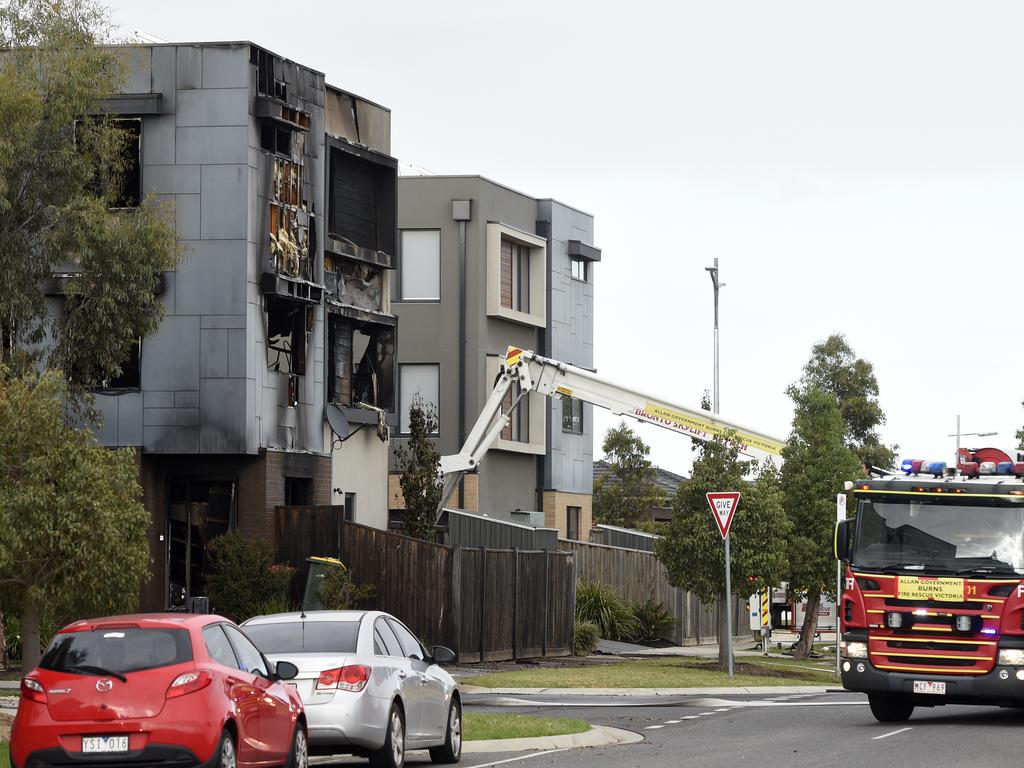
[
  {"x": 118, "y": 649},
  {"x": 286, "y": 338},
  {"x": 298, "y": 491},
  {"x": 249, "y": 658},
  {"x": 350, "y": 507},
  {"x": 120, "y": 180},
  {"x": 305, "y": 636},
  {"x": 385, "y": 637},
  {"x": 218, "y": 647},
  {"x": 572, "y": 523},
  {"x": 361, "y": 363},
  {"x": 411, "y": 647},
  {"x": 572, "y": 415},
  {"x": 518, "y": 428},
  {"x": 422, "y": 381},
  {"x": 579, "y": 268},
  {"x": 515, "y": 276},
  {"x": 420, "y": 266}
]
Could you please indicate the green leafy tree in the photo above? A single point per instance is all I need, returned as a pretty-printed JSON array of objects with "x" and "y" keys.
[
  {"x": 834, "y": 368},
  {"x": 692, "y": 550},
  {"x": 244, "y": 580},
  {"x": 420, "y": 465},
  {"x": 340, "y": 592},
  {"x": 62, "y": 185},
  {"x": 72, "y": 525},
  {"x": 626, "y": 494},
  {"x": 817, "y": 463},
  {"x": 1020, "y": 435}
]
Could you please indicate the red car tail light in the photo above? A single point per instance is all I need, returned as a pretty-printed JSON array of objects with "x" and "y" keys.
[
  {"x": 350, "y": 678},
  {"x": 32, "y": 690},
  {"x": 189, "y": 682}
]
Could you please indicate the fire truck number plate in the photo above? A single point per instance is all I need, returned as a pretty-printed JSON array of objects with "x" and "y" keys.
[
  {"x": 916, "y": 588},
  {"x": 929, "y": 686}
]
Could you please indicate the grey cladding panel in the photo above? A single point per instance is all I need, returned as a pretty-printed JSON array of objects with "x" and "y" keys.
[
  {"x": 222, "y": 414},
  {"x": 226, "y": 67},
  {"x": 213, "y": 145},
  {"x": 190, "y": 67},
  {"x": 214, "y": 106},
  {"x": 170, "y": 179},
  {"x": 214, "y": 353},
  {"x": 212, "y": 280},
  {"x": 157, "y": 141},
  {"x": 170, "y": 358},
  {"x": 129, "y": 418},
  {"x": 224, "y": 202}
]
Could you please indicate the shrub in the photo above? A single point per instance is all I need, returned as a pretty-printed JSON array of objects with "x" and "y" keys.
[
  {"x": 338, "y": 592},
  {"x": 244, "y": 577},
  {"x": 601, "y": 604},
  {"x": 584, "y": 641},
  {"x": 653, "y": 621}
]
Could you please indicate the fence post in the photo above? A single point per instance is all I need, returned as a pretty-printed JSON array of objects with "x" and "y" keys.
[
  {"x": 515, "y": 605},
  {"x": 455, "y": 599},
  {"x": 483, "y": 597},
  {"x": 547, "y": 604}
]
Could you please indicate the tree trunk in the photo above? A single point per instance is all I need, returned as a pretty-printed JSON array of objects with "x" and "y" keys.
[
  {"x": 806, "y": 642},
  {"x": 4, "y": 661},
  {"x": 30, "y": 651},
  {"x": 723, "y": 630}
]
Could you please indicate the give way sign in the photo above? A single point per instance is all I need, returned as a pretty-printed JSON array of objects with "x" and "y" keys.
[{"x": 723, "y": 507}]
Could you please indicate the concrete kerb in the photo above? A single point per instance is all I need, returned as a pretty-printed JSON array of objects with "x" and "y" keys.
[
  {"x": 754, "y": 689},
  {"x": 597, "y": 736}
]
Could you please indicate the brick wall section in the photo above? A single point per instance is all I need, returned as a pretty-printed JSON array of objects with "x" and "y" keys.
[
  {"x": 471, "y": 494},
  {"x": 506, "y": 274},
  {"x": 554, "y": 504},
  {"x": 281, "y": 464}
]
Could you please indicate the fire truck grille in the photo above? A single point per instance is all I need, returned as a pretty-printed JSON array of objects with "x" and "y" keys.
[
  {"x": 936, "y": 645},
  {"x": 964, "y": 606}
]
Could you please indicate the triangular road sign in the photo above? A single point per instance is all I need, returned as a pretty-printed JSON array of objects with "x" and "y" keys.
[{"x": 723, "y": 507}]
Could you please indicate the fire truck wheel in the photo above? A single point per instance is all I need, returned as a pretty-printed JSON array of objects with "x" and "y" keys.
[{"x": 890, "y": 708}]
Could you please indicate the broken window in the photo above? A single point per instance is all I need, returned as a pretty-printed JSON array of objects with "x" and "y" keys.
[
  {"x": 289, "y": 230},
  {"x": 274, "y": 139},
  {"x": 298, "y": 491},
  {"x": 362, "y": 202},
  {"x": 515, "y": 276},
  {"x": 579, "y": 268},
  {"x": 572, "y": 415},
  {"x": 355, "y": 283},
  {"x": 362, "y": 362},
  {"x": 286, "y": 338}
]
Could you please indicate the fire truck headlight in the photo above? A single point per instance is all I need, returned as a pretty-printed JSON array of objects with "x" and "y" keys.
[
  {"x": 1011, "y": 657},
  {"x": 854, "y": 649}
]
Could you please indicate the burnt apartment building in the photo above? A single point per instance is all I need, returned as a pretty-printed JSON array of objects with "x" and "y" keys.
[
  {"x": 481, "y": 267},
  {"x": 271, "y": 379}
]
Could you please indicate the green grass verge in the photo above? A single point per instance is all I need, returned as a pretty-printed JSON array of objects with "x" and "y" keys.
[
  {"x": 7, "y": 692},
  {"x": 5, "y": 760},
  {"x": 477, "y": 726},
  {"x": 662, "y": 673}
]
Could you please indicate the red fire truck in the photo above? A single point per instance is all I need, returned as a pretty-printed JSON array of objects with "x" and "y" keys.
[{"x": 932, "y": 608}]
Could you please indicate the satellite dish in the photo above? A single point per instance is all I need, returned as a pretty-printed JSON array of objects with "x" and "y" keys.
[{"x": 337, "y": 420}]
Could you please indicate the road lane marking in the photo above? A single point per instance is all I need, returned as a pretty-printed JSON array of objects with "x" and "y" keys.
[
  {"x": 891, "y": 733},
  {"x": 722, "y": 710},
  {"x": 690, "y": 717},
  {"x": 673, "y": 722},
  {"x": 523, "y": 757},
  {"x": 706, "y": 713},
  {"x": 653, "y": 727}
]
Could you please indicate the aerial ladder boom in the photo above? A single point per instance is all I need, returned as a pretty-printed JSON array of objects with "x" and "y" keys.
[{"x": 545, "y": 376}]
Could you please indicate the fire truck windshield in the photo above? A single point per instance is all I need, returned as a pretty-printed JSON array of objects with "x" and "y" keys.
[{"x": 962, "y": 536}]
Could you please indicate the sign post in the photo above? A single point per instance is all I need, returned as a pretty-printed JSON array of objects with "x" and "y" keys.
[
  {"x": 723, "y": 508},
  {"x": 840, "y": 516}
]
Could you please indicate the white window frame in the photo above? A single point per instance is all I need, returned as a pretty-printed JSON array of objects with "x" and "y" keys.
[
  {"x": 537, "y": 316},
  {"x": 584, "y": 268},
  {"x": 402, "y": 268},
  {"x": 537, "y": 439}
]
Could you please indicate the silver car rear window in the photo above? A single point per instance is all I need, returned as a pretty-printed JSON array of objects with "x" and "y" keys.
[{"x": 305, "y": 636}]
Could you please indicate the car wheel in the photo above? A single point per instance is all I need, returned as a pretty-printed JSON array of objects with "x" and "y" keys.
[
  {"x": 299, "y": 757},
  {"x": 392, "y": 754},
  {"x": 226, "y": 756},
  {"x": 451, "y": 752},
  {"x": 890, "y": 708}
]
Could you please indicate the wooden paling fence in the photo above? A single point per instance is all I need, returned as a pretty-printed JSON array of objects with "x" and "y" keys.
[
  {"x": 639, "y": 576},
  {"x": 485, "y": 604}
]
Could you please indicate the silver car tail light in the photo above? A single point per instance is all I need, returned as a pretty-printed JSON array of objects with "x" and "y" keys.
[{"x": 348, "y": 678}]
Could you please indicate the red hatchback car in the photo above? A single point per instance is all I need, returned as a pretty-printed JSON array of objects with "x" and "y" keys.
[{"x": 157, "y": 689}]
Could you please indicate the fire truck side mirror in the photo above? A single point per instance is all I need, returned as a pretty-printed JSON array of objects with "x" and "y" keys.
[{"x": 841, "y": 545}]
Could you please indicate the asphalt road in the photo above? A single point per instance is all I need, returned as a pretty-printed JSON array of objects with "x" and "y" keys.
[{"x": 790, "y": 730}]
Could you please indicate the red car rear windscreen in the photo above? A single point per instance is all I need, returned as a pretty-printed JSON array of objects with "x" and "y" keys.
[{"x": 117, "y": 650}]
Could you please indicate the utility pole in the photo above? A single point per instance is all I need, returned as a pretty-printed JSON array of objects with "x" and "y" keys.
[
  {"x": 960, "y": 434},
  {"x": 715, "y": 405}
]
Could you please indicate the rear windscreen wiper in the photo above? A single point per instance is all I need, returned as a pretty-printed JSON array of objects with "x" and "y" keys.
[{"x": 91, "y": 669}]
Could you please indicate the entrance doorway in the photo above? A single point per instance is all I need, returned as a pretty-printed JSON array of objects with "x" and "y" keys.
[{"x": 197, "y": 511}]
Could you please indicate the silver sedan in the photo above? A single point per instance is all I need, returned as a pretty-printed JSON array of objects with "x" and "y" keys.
[{"x": 368, "y": 686}]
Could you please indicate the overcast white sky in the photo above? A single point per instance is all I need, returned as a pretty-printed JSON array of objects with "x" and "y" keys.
[{"x": 856, "y": 167}]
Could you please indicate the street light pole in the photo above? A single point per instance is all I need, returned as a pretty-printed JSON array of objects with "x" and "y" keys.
[
  {"x": 960, "y": 434},
  {"x": 727, "y": 607}
]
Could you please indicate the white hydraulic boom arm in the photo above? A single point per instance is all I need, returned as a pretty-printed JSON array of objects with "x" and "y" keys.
[{"x": 550, "y": 377}]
